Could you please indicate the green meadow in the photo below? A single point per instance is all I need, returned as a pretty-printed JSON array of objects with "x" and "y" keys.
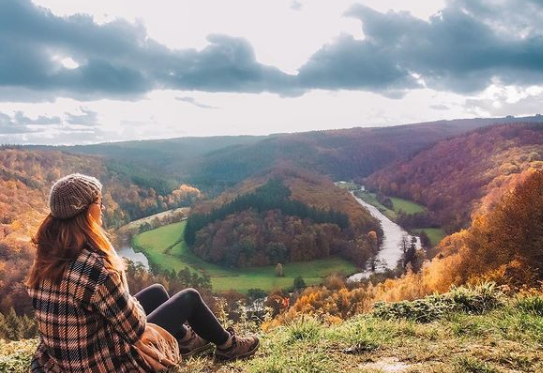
[
  {"x": 165, "y": 248},
  {"x": 398, "y": 204},
  {"x": 409, "y": 207},
  {"x": 434, "y": 234}
]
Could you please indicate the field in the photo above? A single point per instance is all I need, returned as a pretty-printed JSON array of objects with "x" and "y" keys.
[
  {"x": 398, "y": 204},
  {"x": 435, "y": 234},
  {"x": 408, "y": 207},
  {"x": 155, "y": 245}
]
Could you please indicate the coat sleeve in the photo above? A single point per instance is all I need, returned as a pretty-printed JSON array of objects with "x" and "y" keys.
[{"x": 115, "y": 304}]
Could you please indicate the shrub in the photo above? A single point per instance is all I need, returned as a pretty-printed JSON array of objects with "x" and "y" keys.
[
  {"x": 472, "y": 300},
  {"x": 304, "y": 329},
  {"x": 478, "y": 300},
  {"x": 421, "y": 310},
  {"x": 531, "y": 304}
]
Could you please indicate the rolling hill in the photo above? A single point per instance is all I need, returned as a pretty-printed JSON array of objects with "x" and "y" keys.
[{"x": 466, "y": 173}]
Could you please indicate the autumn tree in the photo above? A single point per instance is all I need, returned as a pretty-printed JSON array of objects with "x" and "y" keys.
[{"x": 512, "y": 232}]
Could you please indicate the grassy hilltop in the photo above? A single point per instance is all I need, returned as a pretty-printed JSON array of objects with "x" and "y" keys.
[{"x": 465, "y": 330}]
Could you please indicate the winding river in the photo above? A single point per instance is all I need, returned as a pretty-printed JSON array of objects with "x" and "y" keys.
[
  {"x": 129, "y": 253},
  {"x": 389, "y": 251}
]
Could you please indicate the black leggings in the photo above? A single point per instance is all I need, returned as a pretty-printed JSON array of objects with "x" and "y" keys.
[{"x": 187, "y": 305}]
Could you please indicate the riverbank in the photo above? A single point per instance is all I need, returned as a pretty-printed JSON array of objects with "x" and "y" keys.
[
  {"x": 409, "y": 207},
  {"x": 127, "y": 231},
  {"x": 390, "y": 252}
]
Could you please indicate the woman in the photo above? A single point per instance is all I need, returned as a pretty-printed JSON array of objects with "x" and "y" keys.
[{"x": 88, "y": 321}]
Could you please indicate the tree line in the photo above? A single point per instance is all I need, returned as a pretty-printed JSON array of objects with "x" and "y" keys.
[{"x": 273, "y": 195}]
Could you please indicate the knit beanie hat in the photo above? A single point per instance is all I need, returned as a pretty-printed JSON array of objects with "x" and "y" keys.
[{"x": 73, "y": 194}]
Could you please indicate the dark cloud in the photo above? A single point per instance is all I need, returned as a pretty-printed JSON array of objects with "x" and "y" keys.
[
  {"x": 192, "y": 101},
  {"x": 118, "y": 59},
  {"x": 88, "y": 118},
  {"x": 461, "y": 49},
  {"x": 464, "y": 48},
  {"x": 354, "y": 64}
]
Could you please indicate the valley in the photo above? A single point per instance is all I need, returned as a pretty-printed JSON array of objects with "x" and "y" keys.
[{"x": 284, "y": 208}]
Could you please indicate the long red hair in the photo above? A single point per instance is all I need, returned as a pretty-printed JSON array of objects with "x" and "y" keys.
[{"x": 59, "y": 241}]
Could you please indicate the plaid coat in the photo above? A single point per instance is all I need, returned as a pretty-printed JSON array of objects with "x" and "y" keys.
[{"x": 88, "y": 322}]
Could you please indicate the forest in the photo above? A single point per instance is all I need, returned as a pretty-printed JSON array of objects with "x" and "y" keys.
[
  {"x": 266, "y": 227},
  {"x": 466, "y": 173}
]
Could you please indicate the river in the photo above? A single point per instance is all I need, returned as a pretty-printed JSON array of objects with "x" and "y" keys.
[
  {"x": 129, "y": 253},
  {"x": 389, "y": 251}
]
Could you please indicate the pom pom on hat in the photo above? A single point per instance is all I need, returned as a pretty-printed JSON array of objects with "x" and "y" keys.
[{"x": 73, "y": 194}]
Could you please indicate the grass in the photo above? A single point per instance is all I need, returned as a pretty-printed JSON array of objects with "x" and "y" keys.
[
  {"x": 409, "y": 207},
  {"x": 504, "y": 339},
  {"x": 435, "y": 234},
  {"x": 155, "y": 243},
  {"x": 398, "y": 204}
]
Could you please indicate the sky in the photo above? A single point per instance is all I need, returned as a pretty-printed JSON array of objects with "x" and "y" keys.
[{"x": 80, "y": 72}]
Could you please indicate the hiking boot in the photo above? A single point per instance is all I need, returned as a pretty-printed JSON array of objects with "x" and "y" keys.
[
  {"x": 192, "y": 343},
  {"x": 237, "y": 347}
]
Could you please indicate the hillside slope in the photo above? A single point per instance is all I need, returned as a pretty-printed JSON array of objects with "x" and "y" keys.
[
  {"x": 453, "y": 176},
  {"x": 502, "y": 339},
  {"x": 216, "y": 163}
]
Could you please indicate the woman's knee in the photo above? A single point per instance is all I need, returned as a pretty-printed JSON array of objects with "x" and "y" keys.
[
  {"x": 155, "y": 292},
  {"x": 159, "y": 288},
  {"x": 189, "y": 295}
]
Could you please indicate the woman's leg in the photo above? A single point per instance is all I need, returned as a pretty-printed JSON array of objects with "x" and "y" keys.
[
  {"x": 188, "y": 305},
  {"x": 151, "y": 297}
]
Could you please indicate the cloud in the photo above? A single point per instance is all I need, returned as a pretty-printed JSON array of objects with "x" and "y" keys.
[
  {"x": 296, "y": 5},
  {"x": 192, "y": 101},
  {"x": 22, "y": 119},
  {"x": 464, "y": 48},
  {"x": 20, "y": 123},
  {"x": 439, "y": 107},
  {"x": 9, "y": 126},
  {"x": 506, "y": 102},
  {"x": 88, "y": 118},
  {"x": 20, "y": 128},
  {"x": 354, "y": 64},
  {"x": 117, "y": 59}
]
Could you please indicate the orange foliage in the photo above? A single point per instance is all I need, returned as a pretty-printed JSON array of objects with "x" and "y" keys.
[{"x": 504, "y": 246}]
